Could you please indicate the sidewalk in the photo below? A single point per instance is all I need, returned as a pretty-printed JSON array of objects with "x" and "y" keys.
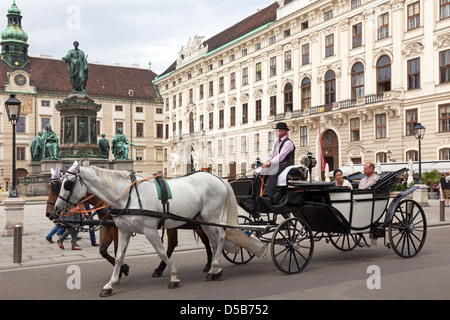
[{"x": 37, "y": 251}]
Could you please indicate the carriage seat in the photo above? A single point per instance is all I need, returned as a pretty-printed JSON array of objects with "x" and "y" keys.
[{"x": 295, "y": 172}]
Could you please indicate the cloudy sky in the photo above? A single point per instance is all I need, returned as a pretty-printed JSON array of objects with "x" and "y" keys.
[{"x": 125, "y": 31}]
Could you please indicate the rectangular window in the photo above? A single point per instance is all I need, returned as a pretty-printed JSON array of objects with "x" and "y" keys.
[
  {"x": 411, "y": 121},
  {"x": 141, "y": 110},
  {"x": 119, "y": 108},
  {"x": 287, "y": 33},
  {"x": 245, "y": 113},
  {"x": 232, "y": 116},
  {"x": 273, "y": 105},
  {"x": 45, "y": 103},
  {"x": 244, "y": 52},
  {"x": 328, "y": 15},
  {"x": 159, "y": 130},
  {"x": 305, "y": 54},
  {"x": 444, "y": 66},
  {"x": 303, "y": 136},
  {"x": 270, "y": 139},
  {"x": 257, "y": 46},
  {"x": 180, "y": 99},
  {"x": 221, "y": 119},
  {"x": 258, "y": 74},
  {"x": 444, "y": 118},
  {"x": 414, "y": 74},
  {"x": 354, "y": 129},
  {"x": 383, "y": 26},
  {"x": 44, "y": 123},
  {"x": 201, "y": 92},
  {"x": 357, "y": 35},
  {"x": 210, "y": 153},
  {"x": 140, "y": 129},
  {"x": 356, "y": 3},
  {"x": 219, "y": 148},
  {"x": 221, "y": 85},
  {"x": 380, "y": 123},
  {"x": 119, "y": 124},
  {"x": 211, "y": 88},
  {"x": 231, "y": 146},
  {"x": 244, "y": 76},
  {"x": 273, "y": 66},
  {"x": 272, "y": 40},
  {"x": 180, "y": 128},
  {"x": 257, "y": 145},
  {"x": 20, "y": 153},
  {"x": 329, "y": 45},
  {"x": 287, "y": 60},
  {"x": 445, "y": 8},
  {"x": 413, "y": 15},
  {"x": 232, "y": 81},
  {"x": 211, "y": 120},
  {"x": 191, "y": 95},
  {"x": 243, "y": 144},
  {"x": 140, "y": 155},
  {"x": 174, "y": 102},
  {"x": 258, "y": 110}
]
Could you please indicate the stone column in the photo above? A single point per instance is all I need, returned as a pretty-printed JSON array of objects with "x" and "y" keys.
[{"x": 13, "y": 215}]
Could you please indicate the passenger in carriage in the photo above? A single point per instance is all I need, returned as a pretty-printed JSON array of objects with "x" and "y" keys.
[
  {"x": 281, "y": 157},
  {"x": 339, "y": 180},
  {"x": 371, "y": 177}
]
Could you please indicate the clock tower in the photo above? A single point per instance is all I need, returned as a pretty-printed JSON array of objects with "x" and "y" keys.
[{"x": 14, "y": 40}]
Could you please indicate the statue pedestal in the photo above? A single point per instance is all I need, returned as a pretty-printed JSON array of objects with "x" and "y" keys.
[
  {"x": 123, "y": 165},
  {"x": 13, "y": 215},
  {"x": 421, "y": 195}
]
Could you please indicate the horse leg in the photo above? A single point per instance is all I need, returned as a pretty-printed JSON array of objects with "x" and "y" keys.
[
  {"x": 124, "y": 239},
  {"x": 217, "y": 238},
  {"x": 172, "y": 242},
  {"x": 153, "y": 236},
  {"x": 205, "y": 241},
  {"x": 108, "y": 236}
]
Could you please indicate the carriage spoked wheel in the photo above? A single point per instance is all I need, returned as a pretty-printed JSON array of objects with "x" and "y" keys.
[
  {"x": 242, "y": 256},
  {"x": 408, "y": 229},
  {"x": 292, "y": 245},
  {"x": 345, "y": 241}
]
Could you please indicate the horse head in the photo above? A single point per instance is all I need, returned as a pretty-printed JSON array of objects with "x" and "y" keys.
[
  {"x": 73, "y": 189},
  {"x": 53, "y": 191}
]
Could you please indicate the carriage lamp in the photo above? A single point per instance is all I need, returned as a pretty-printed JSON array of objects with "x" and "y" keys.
[
  {"x": 12, "y": 106},
  {"x": 419, "y": 133}
]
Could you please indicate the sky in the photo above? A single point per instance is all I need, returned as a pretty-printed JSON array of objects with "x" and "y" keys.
[{"x": 125, "y": 31}]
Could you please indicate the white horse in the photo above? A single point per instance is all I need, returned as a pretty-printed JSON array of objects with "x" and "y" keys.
[{"x": 201, "y": 196}]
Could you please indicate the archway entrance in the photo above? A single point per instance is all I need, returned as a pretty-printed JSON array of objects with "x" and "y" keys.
[{"x": 330, "y": 145}]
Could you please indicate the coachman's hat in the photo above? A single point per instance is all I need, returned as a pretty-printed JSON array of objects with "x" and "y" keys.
[{"x": 282, "y": 126}]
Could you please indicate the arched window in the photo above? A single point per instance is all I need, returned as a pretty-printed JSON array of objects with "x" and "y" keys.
[
  {"x": 383, "y": 74},
  {"x": 288, "y": 100},
  {"x": 413, "y": 155},
  {"x": 357, "y": 81},
  {"x": 444, "y": 154},
  {"x": 306, "y": 94},
  {"x": 381, "y": 157},
  {"x": 330, "y": 87}
]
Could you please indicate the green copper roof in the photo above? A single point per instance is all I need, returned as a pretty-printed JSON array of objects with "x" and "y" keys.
[
  {"x": 14, "y": 9},
  {"x": 14, "y": 33}
]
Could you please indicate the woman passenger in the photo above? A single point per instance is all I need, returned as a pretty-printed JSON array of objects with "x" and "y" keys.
[{"x": 339, "y": 180}]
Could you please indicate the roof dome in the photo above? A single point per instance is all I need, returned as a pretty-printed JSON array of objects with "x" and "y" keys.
[
  {"x": 14, "y": 32},
  {"x": 14, "y": 9}
]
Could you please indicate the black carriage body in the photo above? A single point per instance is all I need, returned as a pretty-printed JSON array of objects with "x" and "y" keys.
[{"x": 323, "y": 206}]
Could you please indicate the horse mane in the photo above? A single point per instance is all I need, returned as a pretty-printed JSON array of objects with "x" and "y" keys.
[{"x": 110, "y": 177}]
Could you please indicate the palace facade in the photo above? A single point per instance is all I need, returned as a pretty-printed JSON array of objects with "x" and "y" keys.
[
  {"x": 127, "y": 95},
  {"x": 357, "y": 75}
]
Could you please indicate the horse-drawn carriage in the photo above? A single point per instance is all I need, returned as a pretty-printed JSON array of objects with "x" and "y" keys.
[
  {"x": 311, "y": 211},
  {"x": 307, "y": 212}
]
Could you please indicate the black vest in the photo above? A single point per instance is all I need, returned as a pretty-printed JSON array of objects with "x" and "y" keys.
[{"x": 290, "y": 157}]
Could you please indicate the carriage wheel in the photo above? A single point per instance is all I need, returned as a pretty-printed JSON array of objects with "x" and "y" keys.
[
  {"x": 292, "y": 245},
  {"x": 242, "y": 256},
  {"x": 408, "y": 229},
  {"x": 345, "y": 241}
]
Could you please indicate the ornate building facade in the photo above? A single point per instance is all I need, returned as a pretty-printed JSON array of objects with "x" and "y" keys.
[
  {"x": 127, "y": 95},
  {"x": 356, "y": 75}
]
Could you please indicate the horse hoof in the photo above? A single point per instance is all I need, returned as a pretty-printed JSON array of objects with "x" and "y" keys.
[
  {"x": 174, "y": 284},
  {"x": 206, "y": 268},
  {"x": 125, "y": 269},
  {"x": 213, "y": 277},
  {"x": 106, "y": 293},
  {"x": 157, "y": 273}
]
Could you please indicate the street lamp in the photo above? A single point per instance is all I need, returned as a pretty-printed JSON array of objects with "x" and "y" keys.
[
  {"x": 12, "y": 106},
  {"x": 419, "y": 133}
]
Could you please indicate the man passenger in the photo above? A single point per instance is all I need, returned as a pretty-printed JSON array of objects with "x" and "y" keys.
[{"x": 371, "y": 177}]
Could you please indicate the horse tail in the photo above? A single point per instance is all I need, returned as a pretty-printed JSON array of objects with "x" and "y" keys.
[{"x": 230, "y": 211}]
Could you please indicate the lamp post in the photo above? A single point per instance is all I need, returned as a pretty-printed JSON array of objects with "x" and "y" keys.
[
  {"x": 12, "y": 106},
  {"x": 419, "y": 133}
]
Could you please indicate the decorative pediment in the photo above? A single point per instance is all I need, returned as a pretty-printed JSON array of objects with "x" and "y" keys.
[
  {"x": 442, "y": 41},
  {"x": 194, "y": 49},
  {"x": 412, "y": 49}
]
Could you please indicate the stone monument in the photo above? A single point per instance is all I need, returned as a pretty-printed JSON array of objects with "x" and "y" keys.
[{"x": 78, "y": 133}]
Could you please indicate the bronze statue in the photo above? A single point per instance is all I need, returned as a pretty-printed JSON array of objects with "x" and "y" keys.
[
  {"x": 119, "y": 146},
  {"x": 103, "y": 143},
  {"x": 50, "y": 144},
  {"x": 36, "y": 148},
  {"x": 78, "y": 69}
]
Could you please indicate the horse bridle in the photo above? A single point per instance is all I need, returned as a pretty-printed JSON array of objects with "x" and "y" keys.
[{"x": 70, "y": 186}]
